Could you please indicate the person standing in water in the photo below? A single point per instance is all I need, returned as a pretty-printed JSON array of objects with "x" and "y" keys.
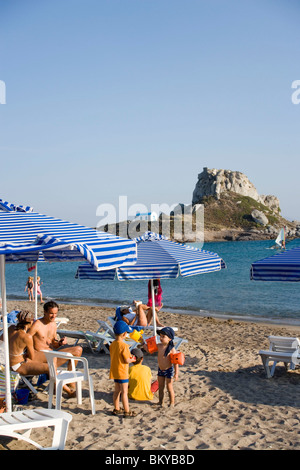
[
  {"x": 38, "y": 289},
  {"x": 29, "y": 287}
]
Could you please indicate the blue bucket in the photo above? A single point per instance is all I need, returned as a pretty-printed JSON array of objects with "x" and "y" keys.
[{"x": 22, "y": 396}]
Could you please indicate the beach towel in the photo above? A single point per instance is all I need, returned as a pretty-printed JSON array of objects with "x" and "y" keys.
[{"x": 12, "y": 316}]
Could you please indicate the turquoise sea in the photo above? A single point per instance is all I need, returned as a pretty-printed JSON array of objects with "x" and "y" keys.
[{"x": 226, "y": 293}]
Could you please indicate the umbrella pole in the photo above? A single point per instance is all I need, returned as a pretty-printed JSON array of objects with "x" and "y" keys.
[
  {"x": 153, "y": 306},
  {"x": 35, "y": 292},
  {"x": 5, "y": 335}
]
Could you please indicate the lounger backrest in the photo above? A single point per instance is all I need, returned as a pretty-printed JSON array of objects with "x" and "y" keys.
[{"x": 284, "y": 344}]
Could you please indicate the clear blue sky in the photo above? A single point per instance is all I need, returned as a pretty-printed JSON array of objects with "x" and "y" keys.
[{"x": 106, "y": 98}]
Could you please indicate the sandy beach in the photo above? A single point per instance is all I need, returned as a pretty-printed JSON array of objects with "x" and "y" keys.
[{"x": 223, "y": 399}]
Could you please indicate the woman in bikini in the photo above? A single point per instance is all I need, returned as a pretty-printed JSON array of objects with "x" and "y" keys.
[{"x": 23, "y": 358}]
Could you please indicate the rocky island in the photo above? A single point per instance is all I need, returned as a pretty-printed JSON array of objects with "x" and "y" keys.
[
  {"x": 235, "y": 211},
  {"x": 231, "y": 209}
]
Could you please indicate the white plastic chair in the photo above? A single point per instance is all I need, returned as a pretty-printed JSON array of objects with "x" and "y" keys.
[
  {"x": 60, "y": 320},
  {"x": 12, "y": 423},
  {"x": 63, "y": 377}
]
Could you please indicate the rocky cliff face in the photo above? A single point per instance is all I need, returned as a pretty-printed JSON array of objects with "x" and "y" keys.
[
  {"x": 225, "y": 206},
  {"x": 212, "y": 182}
]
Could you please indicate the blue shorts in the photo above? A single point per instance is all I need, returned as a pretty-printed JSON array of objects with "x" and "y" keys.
[
  {"x": 121, "y": 381},
  {"x": 168, "y": 373}
]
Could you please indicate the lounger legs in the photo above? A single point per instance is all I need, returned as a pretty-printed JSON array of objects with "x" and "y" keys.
[
  {"x": 92, "y": 398},
  {"x": 60, "y": 435}
]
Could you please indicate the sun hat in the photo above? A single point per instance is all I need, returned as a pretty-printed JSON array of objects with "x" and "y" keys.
[
  {"x": 126, "y": 307},
  {"x": 168, "y": 331},
  {"x": 120, "y": 309},
  {"x": 122, "y": 327}
]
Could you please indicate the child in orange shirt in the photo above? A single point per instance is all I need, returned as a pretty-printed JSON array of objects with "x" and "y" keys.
[{"x": 120, "y": 358}]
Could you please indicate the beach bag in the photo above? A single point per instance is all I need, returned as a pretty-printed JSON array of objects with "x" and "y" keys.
[
  {"x": 14, "y": 377},
  {"x": 14, "y": 381},
  {"x": 177, "y": 358}
]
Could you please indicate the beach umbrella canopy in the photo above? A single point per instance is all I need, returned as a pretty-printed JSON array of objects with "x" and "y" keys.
[
  {"x": 24, "y": 234},
  {"x": 159, "y": 258},
  {"x": 284, "y": 266}
]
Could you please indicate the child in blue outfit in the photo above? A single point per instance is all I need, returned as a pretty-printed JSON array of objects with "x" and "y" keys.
[{"x": 167, "y": 372}]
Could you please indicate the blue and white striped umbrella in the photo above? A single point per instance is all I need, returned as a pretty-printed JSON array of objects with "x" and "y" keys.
[
  {"x": 25, "y": 234},
  {"x": 159, "y": 258},
  {"x": 284, "y": 266}
]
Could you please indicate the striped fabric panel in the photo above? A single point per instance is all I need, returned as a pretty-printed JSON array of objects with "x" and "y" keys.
[
  {"x": 160, "y": 258},
  {"x": 86, "y": 271},
  {"x": 7, "y": 207},
  {"x": 14, "y": 380},
  {"x": 103, "y": 250},
  {"x": 148, "y": 272},
  {"x": 205, "y": 266},
  {"x": 284, "y": 266},
  {"x": 190, "y": 260}
]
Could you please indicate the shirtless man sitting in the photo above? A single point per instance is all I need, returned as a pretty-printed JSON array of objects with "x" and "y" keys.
[{"x": 44, "y": 331}]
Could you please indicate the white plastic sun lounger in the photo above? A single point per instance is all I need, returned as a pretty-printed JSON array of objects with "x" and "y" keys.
[
  {"x": 281, "y": 349},
  {"x": 107, "y": 331},
  {"x": 90, "y": 338},
  {"x": 96, "y": 341},
  {"x": 13, "y": 423},
  {"x": 148, "y": 327},
  {"x": 177, "y": 340}
]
